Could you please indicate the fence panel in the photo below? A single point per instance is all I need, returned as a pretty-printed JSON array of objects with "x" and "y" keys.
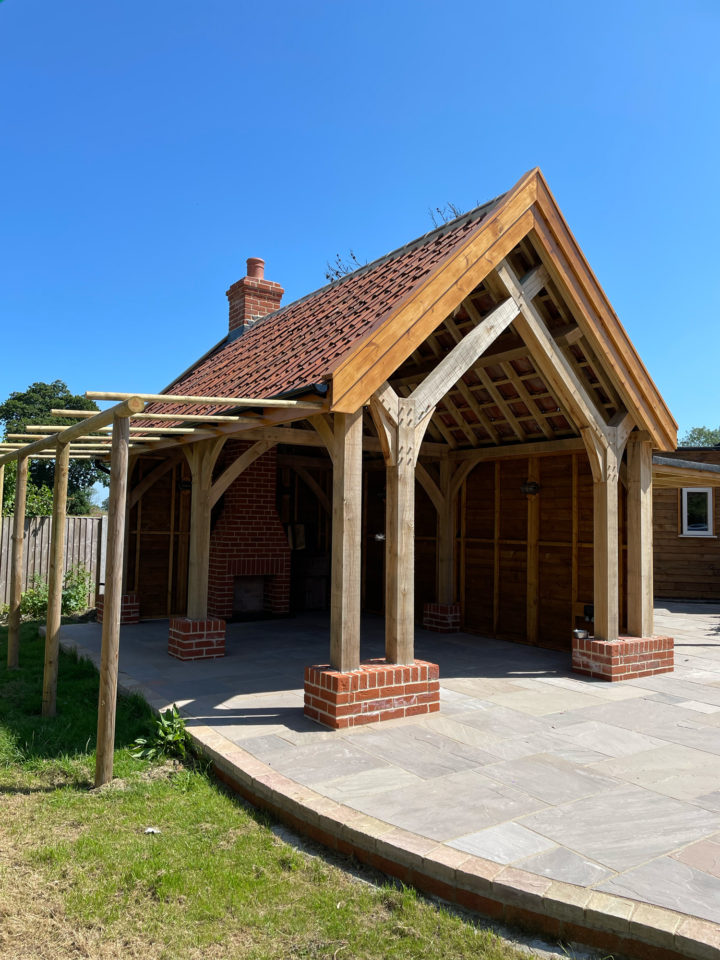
[{"x": 83, "y": 537}]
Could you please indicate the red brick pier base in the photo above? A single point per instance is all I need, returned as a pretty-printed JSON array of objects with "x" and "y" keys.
[
  {"x": 378, "y": 690},
  {"x": 196, "y": 639},
  {"x": 623, "y": 659},
  {"x": 129, "y": 609},
  {"x": 442, "y": 617}
]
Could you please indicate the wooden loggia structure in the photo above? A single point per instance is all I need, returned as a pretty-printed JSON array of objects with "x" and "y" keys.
[{"x": 477, "y": 380}]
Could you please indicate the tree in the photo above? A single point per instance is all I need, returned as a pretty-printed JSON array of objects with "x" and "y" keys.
[
  {"x": 33, "y": 406},
  {"x": 701, "y": 437}
]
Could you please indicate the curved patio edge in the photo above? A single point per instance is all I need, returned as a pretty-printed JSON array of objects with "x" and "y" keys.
[{"x": 516, "y": 897}]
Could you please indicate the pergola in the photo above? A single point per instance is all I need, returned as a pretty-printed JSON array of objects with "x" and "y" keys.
[{"x": 115, "y": 434}]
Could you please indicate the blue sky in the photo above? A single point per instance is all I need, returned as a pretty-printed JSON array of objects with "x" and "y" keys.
[{"x": 147, "y": 149}]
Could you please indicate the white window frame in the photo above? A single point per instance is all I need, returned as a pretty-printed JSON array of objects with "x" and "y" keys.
[{"x": 697, "y": 533}]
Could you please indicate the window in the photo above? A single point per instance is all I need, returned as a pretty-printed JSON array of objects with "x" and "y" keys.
[{"x": 697, "y": 518}]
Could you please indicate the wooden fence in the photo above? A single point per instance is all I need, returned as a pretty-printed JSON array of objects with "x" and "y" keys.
[{"x": 84, "y": 544}]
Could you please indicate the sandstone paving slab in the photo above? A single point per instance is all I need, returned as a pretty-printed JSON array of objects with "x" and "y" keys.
[
  {"x": 600, "y": 689},
  {"x": 504, "y": 843},
  {"x": 550, "y": 778},
  {"x": 449, "y": 807},
  {"x": 671, "y": 769},
  {"x": 398, "y": 746},
  {"x": 709, "y": 801},
  {"x": 605, "y": 738},
  {"x": 348, "y": 789},
  {"x": 548, "y": 742},
  {"x": 540, "y": 702},
  {"x": 703, "y": 855},
  {"x": 624, "y": 826},
  {"x": 669, "y": 883},
  {"x": 561, "y": 864},
  {"x": 314, "y": 764},
  {"x": 502, "y": 722},
  {"x": 700, "y": 706}
]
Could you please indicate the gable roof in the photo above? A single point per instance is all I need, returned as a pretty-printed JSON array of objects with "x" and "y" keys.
[
  {"x": 300, "y": 344},
  {"x": 354, "y": 333}
]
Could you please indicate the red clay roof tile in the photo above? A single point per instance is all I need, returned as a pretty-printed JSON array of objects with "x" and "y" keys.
[{"x": 300, "y": 344}]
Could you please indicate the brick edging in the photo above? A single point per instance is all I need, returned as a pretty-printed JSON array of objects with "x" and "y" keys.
[{"x": 561, "y": 911}]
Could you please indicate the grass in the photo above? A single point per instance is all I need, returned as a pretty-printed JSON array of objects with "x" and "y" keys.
[{"x": 79, "y": 877}]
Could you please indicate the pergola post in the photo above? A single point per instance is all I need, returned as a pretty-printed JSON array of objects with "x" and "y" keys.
[
  {"x": 113, "y": 601},
  {"x": 639, "y": 536},
  {"x": 16, "y": 564},
  {"x": 346, "y": 542},
  {"x": 55, "y": 584}
]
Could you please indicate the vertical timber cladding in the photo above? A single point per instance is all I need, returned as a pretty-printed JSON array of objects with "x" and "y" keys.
[
  {"x": 685, "y": 568},
  {"x": 502, "y": 580},
  {"x": 158, "y": 540}
]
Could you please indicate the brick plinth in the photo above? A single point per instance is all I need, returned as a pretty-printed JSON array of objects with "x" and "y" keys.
[
  {"x": 623, "y": 659},
  {"x": 378, "y": 690},
  {"x": 442, "y": 617},
  {"x": 196, "y": 639},
  {"x": 129, "y": 608}
]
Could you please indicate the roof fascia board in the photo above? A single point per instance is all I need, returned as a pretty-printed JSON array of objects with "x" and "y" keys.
[
  {"x": 599, "y": 321},
  {"x": 361, "y": 372}
]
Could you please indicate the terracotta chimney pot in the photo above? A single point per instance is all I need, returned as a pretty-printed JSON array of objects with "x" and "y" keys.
[{"x": 256, "y": 268}]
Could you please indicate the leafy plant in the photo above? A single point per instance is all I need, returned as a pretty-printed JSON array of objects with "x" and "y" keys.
[
  {"x": 169, "y": 740},
  {"x": 76, "y": 588},
  {"x": 34, "y": 602}
]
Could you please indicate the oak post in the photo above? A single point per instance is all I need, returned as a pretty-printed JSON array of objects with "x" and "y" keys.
[
  {"x": 202, "y": 457},
  {"x": 446, "y": 538},
  {"x": 400, "y": 541},
  {"x": 605, "y": 536},
  {"x": 346, "y": 542},
  {"x": 55, "y": 580},
  {"x": 640, "y": 537},
  {"x": 16, "y": 564},
  {"x": 113, "y": 601}
]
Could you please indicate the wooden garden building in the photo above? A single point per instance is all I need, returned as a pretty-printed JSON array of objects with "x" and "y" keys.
[{"x": 459, "y": 434}]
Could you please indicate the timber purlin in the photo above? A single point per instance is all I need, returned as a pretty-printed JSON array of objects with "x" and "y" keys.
[{"x": 377, "y": 690}]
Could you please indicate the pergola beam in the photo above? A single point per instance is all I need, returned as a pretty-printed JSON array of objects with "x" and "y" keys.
[
  {"x": 132, "y": 404},
  {"x": 190, "y": 417},
  {"x": 218, "y": 401}
]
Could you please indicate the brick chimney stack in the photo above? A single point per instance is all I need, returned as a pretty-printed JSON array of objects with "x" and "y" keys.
[{"x": 252, "y": 297}]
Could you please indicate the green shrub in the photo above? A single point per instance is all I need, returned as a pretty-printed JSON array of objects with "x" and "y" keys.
[{"x": 76, "y": 589}]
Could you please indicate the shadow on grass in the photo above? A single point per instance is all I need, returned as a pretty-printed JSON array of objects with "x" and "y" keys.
[{"x": 25, "y": 735}]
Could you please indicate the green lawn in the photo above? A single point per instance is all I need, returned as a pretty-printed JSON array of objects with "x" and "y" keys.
[{"x": 80, "y": 878}]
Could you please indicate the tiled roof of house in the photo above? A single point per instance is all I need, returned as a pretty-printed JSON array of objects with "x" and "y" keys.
[{"x": 300, "y": 344}]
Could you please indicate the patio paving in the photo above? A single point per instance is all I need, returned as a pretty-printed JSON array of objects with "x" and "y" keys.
[{"x": 614, "y": 787}]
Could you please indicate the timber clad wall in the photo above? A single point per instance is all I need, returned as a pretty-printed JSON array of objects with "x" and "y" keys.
[
  {"x": 82, "y": 540},
  {"x": 158, "y": 539},
  {"x": 686, "y": 568},
  {"x": 502, "y": 593}
]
